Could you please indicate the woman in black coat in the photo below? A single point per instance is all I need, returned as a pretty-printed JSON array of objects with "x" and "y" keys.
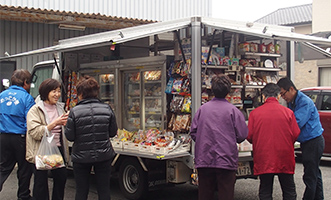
[{"x": 90, "y": 125}]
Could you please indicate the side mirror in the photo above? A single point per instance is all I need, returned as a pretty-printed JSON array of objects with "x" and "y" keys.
[{"x": 5, "y": 83}]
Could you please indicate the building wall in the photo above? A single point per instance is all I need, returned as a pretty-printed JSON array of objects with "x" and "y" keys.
[
  {"x": 159, "y": 10},
  {"x": 324, "y": 67},
  {"x": 305, "y": 29},
  {"x": 17, "y": 37},
  {"x": 322, "y": 22},
  {"x": 306, "y": 74},
  {"x": 321, "y": 15}
]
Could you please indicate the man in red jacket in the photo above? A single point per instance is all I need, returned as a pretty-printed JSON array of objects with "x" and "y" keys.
[{"x": 272, "y": 131}]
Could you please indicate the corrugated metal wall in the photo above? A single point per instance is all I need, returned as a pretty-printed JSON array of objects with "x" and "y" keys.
[
  {"x": 159, "y": 10},
  {"x": 17, "y": 37}
]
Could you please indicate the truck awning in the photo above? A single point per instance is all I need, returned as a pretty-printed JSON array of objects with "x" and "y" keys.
[
  {"x": 263, "y": 30},
  {"x": 282, "y": 33},
  {"x": 109, "y": 37}
]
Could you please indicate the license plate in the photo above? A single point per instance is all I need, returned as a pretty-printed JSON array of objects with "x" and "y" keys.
[{"x": 244, "y": 169}]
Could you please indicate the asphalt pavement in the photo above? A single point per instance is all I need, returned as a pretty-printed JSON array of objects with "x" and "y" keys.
[{"x": 246, "y": 189}]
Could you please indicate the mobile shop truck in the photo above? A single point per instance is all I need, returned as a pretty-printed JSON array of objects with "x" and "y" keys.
[{"x": 155, "y": 96}]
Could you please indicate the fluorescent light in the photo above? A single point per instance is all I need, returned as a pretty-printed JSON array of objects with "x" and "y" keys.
[{"x": 72, "y": 27}]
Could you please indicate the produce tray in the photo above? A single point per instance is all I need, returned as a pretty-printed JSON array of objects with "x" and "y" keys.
[
  {"x": 135, "y": 149},
  {"x": 117, "y": 144},
  {"x": 131, "y": 146}
]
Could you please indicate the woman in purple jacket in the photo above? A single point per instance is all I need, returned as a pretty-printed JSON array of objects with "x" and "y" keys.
[{"x": 216, "y": 128}]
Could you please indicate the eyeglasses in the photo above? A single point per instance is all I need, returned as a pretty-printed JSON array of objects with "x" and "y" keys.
[{"x": 283, "y": 94}]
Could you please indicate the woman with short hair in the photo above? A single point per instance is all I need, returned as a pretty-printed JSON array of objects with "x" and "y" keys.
[
  {"x": 48, "y": 116},
  {"x": 90, "y": 125}
]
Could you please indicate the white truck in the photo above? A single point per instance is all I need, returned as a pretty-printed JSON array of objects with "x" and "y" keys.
[{"x": 134, "y": 82}]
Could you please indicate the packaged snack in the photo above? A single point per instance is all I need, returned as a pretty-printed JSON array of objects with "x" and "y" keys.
[
  {"x": 226, "y": 61},
  {"x": 138, "y": 136},
  {"x": 244, "y": 62},
  {"x": 277, "y": 48},
  {"x": 244, "y": 47},
  {"x": 176, "y": 103},
  {"x": 134, "y": 77},
  {"x": 186, "y": 68},
  {"x": 148, "y": 75},
  {"x": 177, "y": 125},
  {"x": 186, "y": 88},
  {"x": 204, "y": 55},
  {"x": 253, "y": 47},
  {"x": 164, "y": 140},
  {"x": 262, "y": 48},
  {"x": 235, "y": 61},
  {"x": 177, "y": 85},
  {"x": 270, "y": 48},
  {"x": 187, "y": 105},
  {"x": 185, "y": 122},
  {"x": 169, "y": 85},
  {"x": 171, "y": 121}
]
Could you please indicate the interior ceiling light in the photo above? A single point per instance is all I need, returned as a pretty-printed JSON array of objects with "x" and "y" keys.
[{"x": 72, "y": 27}]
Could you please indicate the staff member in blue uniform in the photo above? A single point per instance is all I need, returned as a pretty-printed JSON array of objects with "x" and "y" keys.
[
  {"x": 15, "y": 102},
  {"x": 310, "y": 138}
]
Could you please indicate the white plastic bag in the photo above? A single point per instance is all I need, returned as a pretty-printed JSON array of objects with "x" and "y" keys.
[{"x": 48, "y": 155}]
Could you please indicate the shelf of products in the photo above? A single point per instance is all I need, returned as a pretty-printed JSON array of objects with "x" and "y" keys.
[
  {"x": 251, "y": 67},
  {"x": 261, "y": 54},
  {"x": 215, "y": 66},
  {"x": 131, "y": 110},
  {"x": 152, "y": 99},
  {"x": 143, "y": 100},
  {"x": 107, "y": 88},
  {"x": 263, "y": 69}
]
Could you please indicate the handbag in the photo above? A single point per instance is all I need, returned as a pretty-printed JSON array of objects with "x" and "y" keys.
[{"x": 48, "y": 155}]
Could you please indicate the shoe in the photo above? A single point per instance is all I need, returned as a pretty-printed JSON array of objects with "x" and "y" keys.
[{"x": 29, "y": 198}]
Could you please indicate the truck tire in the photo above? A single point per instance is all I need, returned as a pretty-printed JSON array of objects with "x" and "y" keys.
[{"x": 133, "y": 180}]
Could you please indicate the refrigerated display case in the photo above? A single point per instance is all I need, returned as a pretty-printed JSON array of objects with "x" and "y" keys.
[
  {"x": 107, "y": 89},
  {"x": 134, "y": 88},
  {"x": 152, "y": 87},
  {"x": 143, "y": 99},
  {"x": 131, "y": 109}
]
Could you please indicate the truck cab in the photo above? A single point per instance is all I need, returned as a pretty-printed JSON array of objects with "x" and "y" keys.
[{"x": 41, "y": 71}]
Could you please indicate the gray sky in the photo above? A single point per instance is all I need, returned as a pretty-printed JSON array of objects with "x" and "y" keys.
[{"x": 250, "y": 10}]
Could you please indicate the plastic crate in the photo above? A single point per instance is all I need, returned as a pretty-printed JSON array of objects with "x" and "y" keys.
[
  {"x": 131, "y": 146},
  {"x": 161, "y": 150},
  {"x": 117, "y": 144},
  {"x": 146, "y": 148}
]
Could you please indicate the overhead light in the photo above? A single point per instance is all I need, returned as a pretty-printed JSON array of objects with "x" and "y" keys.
[{"x": 72, "y": 27}]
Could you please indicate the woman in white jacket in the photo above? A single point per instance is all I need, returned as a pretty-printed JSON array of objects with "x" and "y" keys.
[{"x": 47, "y": 116}]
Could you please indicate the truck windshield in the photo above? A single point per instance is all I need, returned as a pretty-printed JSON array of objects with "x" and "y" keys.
[{"x": 39, "y": 74}]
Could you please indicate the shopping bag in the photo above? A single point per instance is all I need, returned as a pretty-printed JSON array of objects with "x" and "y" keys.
[{"x": 48, "y": 155}]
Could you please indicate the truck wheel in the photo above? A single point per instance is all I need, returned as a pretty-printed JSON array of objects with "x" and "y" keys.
[{"x": 133, "y": 180}]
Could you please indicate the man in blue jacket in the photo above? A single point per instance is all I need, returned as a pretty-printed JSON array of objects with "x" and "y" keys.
[
  {"x": 15, "y": 102},
  {"x": 217, "y": 127},
  {"x": 310, "y": 138}
]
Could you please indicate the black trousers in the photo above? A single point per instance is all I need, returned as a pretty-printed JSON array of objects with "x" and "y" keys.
[
  {"x": 12, "y": 151},
  {"x": 82, "y": 173},
  {"x": 40, "y": 188},
  {"x": 312, "y": 151},
  {"x": 212, "y": 179},
  {"x": 286, "y": 183}
]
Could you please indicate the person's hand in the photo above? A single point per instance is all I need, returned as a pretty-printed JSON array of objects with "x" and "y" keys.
[{"x": 62, "y": 120}]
